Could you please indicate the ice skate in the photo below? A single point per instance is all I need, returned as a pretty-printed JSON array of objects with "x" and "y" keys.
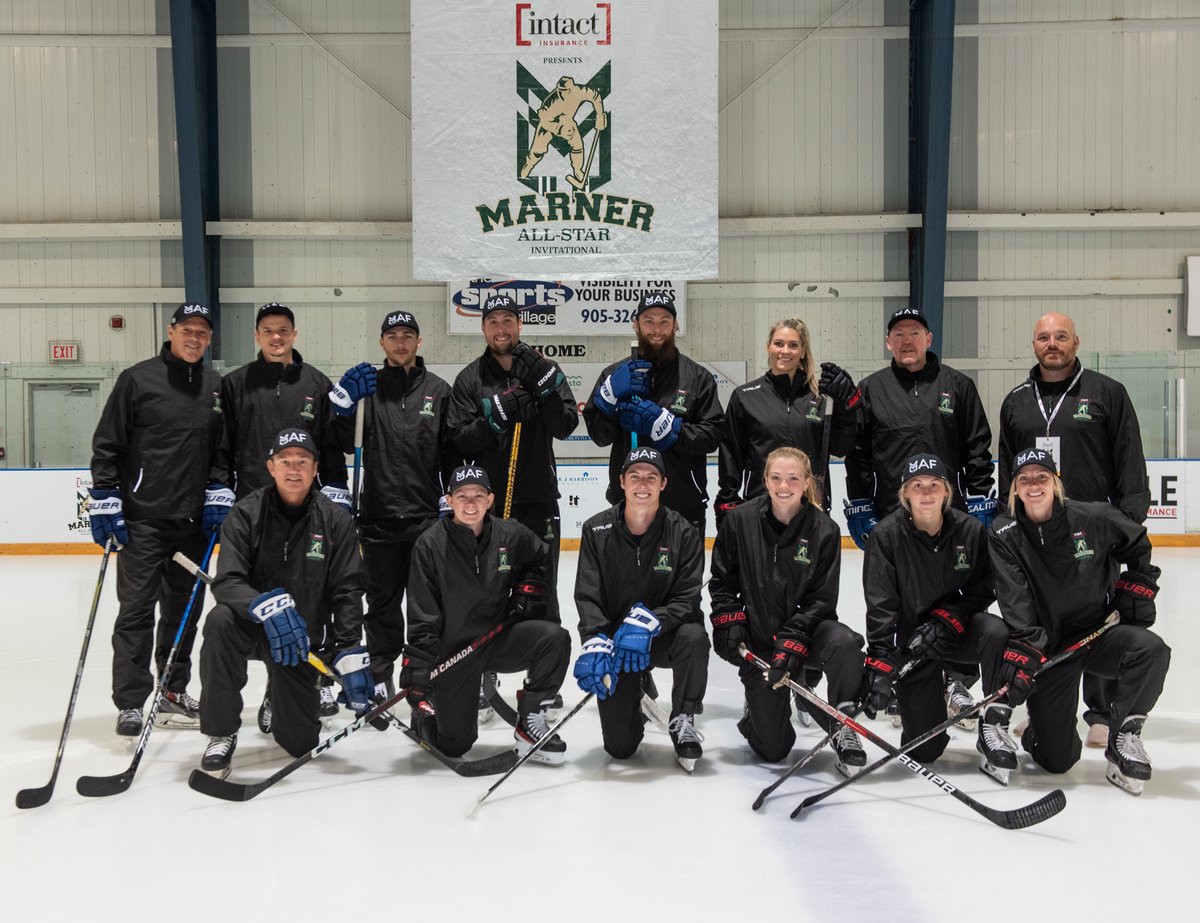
[
  {"x": 686, "y": 740},
  {"x": 847, "y": 747},
  {"x": 129, "y": 722},
  {"x": 997, "y": 751},
  {"x": 802, "y": 714},
  {"x": 1128, "y": 762},
  {"x": 486, "y": 712},
  {"x": 533, "y": 724},
  {"x": 218, "y": 756},
  {"x": 178, "y": 710},
  {"x": 329, "y": 703},
  {"x": 265, "y": 715},
  {"x": 893, "y": 713},
  {"x": 958, "y": 700}
]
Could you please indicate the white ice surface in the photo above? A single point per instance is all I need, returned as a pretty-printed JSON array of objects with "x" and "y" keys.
[{"x": 376, "y": 826}]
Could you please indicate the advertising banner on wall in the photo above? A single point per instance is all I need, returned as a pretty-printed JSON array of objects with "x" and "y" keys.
[
  {"x": 564, "y": 139},
  {"x": 566, "y": 307}
]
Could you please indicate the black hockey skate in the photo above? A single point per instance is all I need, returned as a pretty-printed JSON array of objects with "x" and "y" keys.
[
  {"x": 533, "y": 724},
  {"x": 686, "y": 739},
  {"x": 847, "y": 746},
  {"x": 958, "y": 700},
  {"x": 218, "y": 755},
  {"x": 997, "y": 751},
  {"x": 1128, "y": 762}
]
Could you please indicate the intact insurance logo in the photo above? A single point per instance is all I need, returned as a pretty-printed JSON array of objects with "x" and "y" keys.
[
  {"x": 539, "y": 301},
  {"x": 546, "y": 29}
]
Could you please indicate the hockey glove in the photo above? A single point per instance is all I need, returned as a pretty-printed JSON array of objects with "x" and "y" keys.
[
  {"x": 218, "y": 501},
  {"x": 286, "y": 632},
  {"x": 647, "y": 419},
  {"x": 879, "y": 678},
  {"x": 339, "y": 494},
  {"x": 729, "y": 631},
  {"x": 1134, "y": 599},
  {"x": 358, "y": 682},
  {"x": 414, "y": 676},
  {"x": 528, "y": 600},
  {"x": 105, "y": 511},
  {"x": 860, "y": 519},
  {"x": 936, "y": 636},
  {"x": 787, "y": 661},
  {"x": 504, "y": 409},
  {"x": 356, "y": 383},
  {"x": 629, "y": 379},
  {"x": 982, "y": 508},
  {"x": 539, "y": 376},
  {"x": 723, "y": 509},
  {"x": 838, "y": 384},
  {"x": 632, "y": 640},
  {"x": 595, "y": 665},
  {"x": 1018, "y": 667}
]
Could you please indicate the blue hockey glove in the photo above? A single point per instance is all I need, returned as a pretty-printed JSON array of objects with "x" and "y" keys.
[
  {"x": 339, "y": 494},
  {"x": 105, "y": 511},
  {"x": 218, "y": 501},
  {"x": 647, "y": 419},
  {"x": 630, "y": 378},
  {"x": 860, "y": 520},
  {"x": 358, "y": 682},
  {"x": 595, "y": 665},
  {"x": 632, "y": 640},
  {"x": 357, "y": 382},
  {"x": 983, "y": 508},
  {"x": 286, "y": 631}
]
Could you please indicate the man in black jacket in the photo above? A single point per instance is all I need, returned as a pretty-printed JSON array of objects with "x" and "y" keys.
[
  {"x": 156, "y": 447},
  {"x": 289, "y": 578},
  {"x": 637, "y": 590},
  {"x": 471, "y": 572},
  {"x": 668, "y": 401},
  {"x": 408, "y": 457},
  {"x": 512, "y": 383},
  {"x": 1087, "y": 423}
]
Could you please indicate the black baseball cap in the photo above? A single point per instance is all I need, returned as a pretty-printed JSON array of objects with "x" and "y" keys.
[
  {"x": 466, "y": 475},
  {"x": 274, "y": 309},
  {"x": 655, "y": 299},
  {"x": 292, "y": 438},
  {"x": 186, "y": 311},
  {"x": 645, "y": 455},
  {"x": 907, "y": 314},
  {"x": 923, "y": 465},
  {"x": 399, "y": 319},
  {"x": 1029, "y": 457},
  {"x": 500, "y": 303}
]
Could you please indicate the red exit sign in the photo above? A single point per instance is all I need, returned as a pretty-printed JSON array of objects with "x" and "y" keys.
[{"x": 65, "y": 351}]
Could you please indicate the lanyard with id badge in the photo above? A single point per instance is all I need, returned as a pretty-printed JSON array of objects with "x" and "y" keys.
[{"x": 1048, "y": 443}]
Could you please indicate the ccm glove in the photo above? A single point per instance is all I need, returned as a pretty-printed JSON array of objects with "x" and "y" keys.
[
  {"x": 982, "y": 508},
  {"x": 937, "y": 635},
  {"x": 358, "y": 682},
  {"x": 723, "y": 509},
  {"x": 1018, "y": 667},
  {"x": 879, "y": 678},
  {"x": 632, "y": 640},
  {"x": 537, "y": 374},
  {"x": 107, "y": 517},
  {"x": 339, "y": 494},
  {"x": 356, "y": 383},
  {"x": 528, "y": 600},
  {"x": 414, "y": 676},
  {"x": 505, "y": 409},
  {"x": 860, "y": 519},
  {"x": 729, "y": 630},
  {"x": 787, "y": 661},
  {"x": 1134, "y": 599},
  {"x": 286, "y": 632},
  {"x": 838, "y": 384},
  {"x": 218, "y": 501},
  {"x": 595, "y": 666},
  {"x": 629, "y": 379},
  {"x": 647, "y": 419}
]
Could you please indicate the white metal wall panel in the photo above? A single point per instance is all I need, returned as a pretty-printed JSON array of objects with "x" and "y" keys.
[{"x": 67, "y": 17}]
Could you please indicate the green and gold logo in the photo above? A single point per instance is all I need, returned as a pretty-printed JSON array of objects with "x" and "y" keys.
[
  {"x": 1081, "y": 546},
  {"x": 802, "y": 553},
  {"x": 427, "y": 406},
  {"x": 960, "y": 558},
  {"x": 680, "y": 405},
  {"x": 662, "y": 561},
  {"x": 316, "y": 547},
  {"x": 502, "y": 566},
  {"x": 945, "y": 403},
  {"x": 814, "y": 411},
  {"x": 307, "y": 410},
  {"x": 1082, "y": 410},
  {"x": 217, "y": 402}
]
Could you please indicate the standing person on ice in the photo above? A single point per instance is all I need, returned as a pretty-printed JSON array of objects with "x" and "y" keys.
[
  {"x": 156, "y": 447},
  {"x": 289, "y": 573},
  {"x": 1058, "y": 566},
  {"x": 637, "y": 590},
  {"x": 774, "y": 588}
]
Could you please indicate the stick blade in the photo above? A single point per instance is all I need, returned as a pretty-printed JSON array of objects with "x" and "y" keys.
[
  {"x": 488, "y": 765},
  {"x": 758, "y": 802},
  {"x": 1042, "y": 809},
  {"x": 103, "y": 786},
  {"x": 221, "y": 788},
  {"x": 34, "y": 797}
]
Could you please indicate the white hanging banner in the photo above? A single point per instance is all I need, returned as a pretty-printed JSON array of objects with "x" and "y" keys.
[{"x": 564, "y": 139}]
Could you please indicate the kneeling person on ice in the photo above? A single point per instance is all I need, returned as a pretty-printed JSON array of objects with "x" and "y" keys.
[
  {"x": 470, "y": 572},
  {"x": 637, "y": 590},
  {"x": 775, "y": 571},
  {"x": 289, "y": 575}
]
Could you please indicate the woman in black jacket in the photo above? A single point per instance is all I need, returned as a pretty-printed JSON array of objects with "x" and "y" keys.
[
  {"x": 1058, "y": 567},
  {"x": 774, "y": 587}
]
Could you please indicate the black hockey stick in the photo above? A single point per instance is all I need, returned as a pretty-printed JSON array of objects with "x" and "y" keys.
[
  {"x": 359, "y": 416},
  {"x": 976, "y": 709},
  {"x": 823, "y": 460},
  {"x": 102, "y": 786},
  {"x": 1042, "y": 809},
  {"x": 36, "y": 797},
  {"x": 244, "y": 791}
]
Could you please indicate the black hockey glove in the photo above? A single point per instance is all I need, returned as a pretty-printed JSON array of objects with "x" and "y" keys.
[
  {"x": 528, "y": 600},
  {"x": 787, "y": 662},
  {"x": 1018, "y": 667},
  {"x": 838, "y": 384},
  {"x": 936, "y": 636},
  {"x": 1134, "y": 599},
  {"x": 729, "y": 630},
  {"x": 414, "y": 675},
  {"x": 879, "y": 677},
  {"x": 537, "y": 374},
  {"x": 504, "y": 409}
]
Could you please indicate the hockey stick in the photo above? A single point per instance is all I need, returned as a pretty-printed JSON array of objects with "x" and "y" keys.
[
  {"x": 512, "y": 469},
  {"x": 102, "y": 786},
  {"x": 976, "y": 709},
  {"x": 239, "y": 791},
  {"x": 531, "y": 751},
  {"x": 1042, "y": 809},
  {"x": 36, "y": 797},
  {"x": 509, "y": 715},
  {"x": 823, "y": 460},
  {"x": 582, "y": 184},
  {"x": 359, "y": 415}
]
